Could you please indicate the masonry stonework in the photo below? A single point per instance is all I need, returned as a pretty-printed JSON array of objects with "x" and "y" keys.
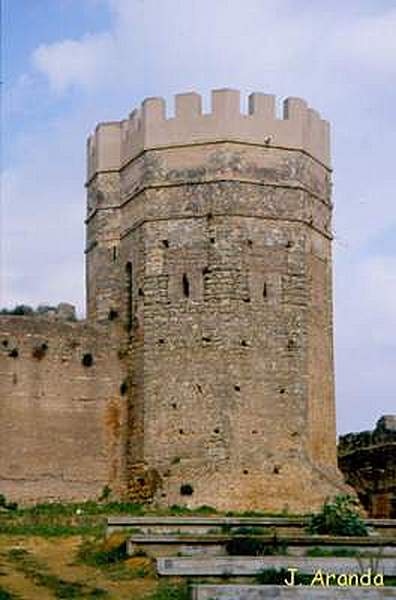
[
  {"x": 367, "y": 460},
  {"x": 209, "y": 270},
  {"x": 62, "y": 418}
]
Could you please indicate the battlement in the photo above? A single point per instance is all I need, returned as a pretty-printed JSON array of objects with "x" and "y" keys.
[{"x": 301, "y": 128}]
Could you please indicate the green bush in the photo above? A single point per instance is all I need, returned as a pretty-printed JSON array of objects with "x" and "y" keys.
[{"x": 339, "y": 516}]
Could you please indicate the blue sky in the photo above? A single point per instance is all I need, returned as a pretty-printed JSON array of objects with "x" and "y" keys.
[{"x": 68, "y": 64}]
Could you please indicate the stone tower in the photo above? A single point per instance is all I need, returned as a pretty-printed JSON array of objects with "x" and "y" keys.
[{"x": 209, "y": 247}]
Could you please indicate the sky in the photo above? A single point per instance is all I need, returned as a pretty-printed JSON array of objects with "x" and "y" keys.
[{"x": 67, "y": 64}]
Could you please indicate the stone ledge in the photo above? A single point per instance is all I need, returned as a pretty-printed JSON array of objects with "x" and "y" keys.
[
  {"x": 260, "y": 592},
  {"x": 247, "y": 566}
]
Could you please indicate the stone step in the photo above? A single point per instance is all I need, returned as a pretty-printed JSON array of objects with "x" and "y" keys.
[
  {"x": 215, "y": 544},
  {"x": 241, "y": 566},
  {"x": 276, "y": 592},
  {"x": 197, "y": 524}
]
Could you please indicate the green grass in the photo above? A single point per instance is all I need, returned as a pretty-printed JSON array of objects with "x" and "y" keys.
[
  {"x": 168, "y": 591},
  {"x": 46, "y": 530},
  {"x": 56, "y": 519},
  {"x": 86, "y": 518}
]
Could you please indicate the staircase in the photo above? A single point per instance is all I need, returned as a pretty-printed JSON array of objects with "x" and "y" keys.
[{"x": 204, "y": 551}]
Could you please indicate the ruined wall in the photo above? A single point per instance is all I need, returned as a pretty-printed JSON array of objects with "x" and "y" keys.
[
  {"x": 62, "y": 415},
  {"x": 368, "y": 461},
  {"x": 225, "y": 297}
]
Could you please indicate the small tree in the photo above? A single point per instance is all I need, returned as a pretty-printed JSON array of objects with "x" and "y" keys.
[
  {"x": 19, "y": 310},
  {"x": 339, "y": 516}
]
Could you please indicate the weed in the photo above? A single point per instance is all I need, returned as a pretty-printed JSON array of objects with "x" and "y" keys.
[
  {"x": 246, "y": 541},
  {"x": 250, "y": 546},
  {"x": 96, "y": 555},
  {"x": 7, "y": 505},
  {"x": 106, "y": 493},
  {"x": 339, "y": 516}
]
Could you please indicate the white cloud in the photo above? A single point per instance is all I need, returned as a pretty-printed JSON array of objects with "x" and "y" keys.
[
  {"x": 165, "y": 41},
  {"x": 76, "y": 62},
  {"x": 161, "y": 43}
]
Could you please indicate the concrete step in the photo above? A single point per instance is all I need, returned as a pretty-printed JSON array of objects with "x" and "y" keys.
[
  {"x": 197, "y": 524},
  {"x": 276, "y": 592},
  {"x": 215, "y": 544},
  {"x": 243, "y": 566}
]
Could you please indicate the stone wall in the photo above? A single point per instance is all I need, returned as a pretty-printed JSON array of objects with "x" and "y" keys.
[
  {"x": 368, "y": 461},
  {"x": 223, "y": 295},
  {"x": 209, "y": 304},
  {"x": 62, "y": 416}
]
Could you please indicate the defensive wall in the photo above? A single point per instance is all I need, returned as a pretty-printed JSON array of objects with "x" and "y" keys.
[
  {"x": 209, "y": 320},
  {"x": 209, "y": 236},
  {"x": 62, "y": 415}
]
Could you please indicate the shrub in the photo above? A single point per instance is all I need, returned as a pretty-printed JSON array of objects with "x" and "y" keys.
[
  {"x": 20, "y": 310},
  {"x": 99, "y": 555},
  {"x": 106, "y": 493},
  {"x": 339, "y": 516},
  {"x": 250, "y": 546},
  {"x": 7, "y": 505}
]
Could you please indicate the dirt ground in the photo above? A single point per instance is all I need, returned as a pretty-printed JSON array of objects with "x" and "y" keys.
[{"x": 36, "y": 568}]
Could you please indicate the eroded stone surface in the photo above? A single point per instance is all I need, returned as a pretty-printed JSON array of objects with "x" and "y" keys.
[{"x": 368, "y": 461}]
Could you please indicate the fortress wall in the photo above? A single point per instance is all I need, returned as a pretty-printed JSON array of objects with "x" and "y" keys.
[
  {"x": 237, "y": 398},
  {"x": 62, "y": 424},
  {"x": 320, "y": 354},
  {"x": 115, "y": 143},
  {"x": 102, "y": 246}
]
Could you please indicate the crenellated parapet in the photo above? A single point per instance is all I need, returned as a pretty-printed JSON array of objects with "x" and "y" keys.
[{"x": 301, "y": 128}]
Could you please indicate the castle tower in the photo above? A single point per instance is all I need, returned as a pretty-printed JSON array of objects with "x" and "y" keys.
[{"x": 209, "y": 236}]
